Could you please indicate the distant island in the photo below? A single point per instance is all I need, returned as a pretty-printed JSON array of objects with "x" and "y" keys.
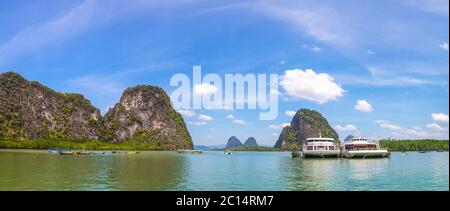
[
  {"x": 251, "y": 144},
  {"x": 33, "y": 116}
]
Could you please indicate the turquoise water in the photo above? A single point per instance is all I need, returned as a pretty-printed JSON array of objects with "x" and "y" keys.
[{"x": 37, "y": 170}]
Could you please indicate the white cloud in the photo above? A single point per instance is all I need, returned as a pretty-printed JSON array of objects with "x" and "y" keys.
[
  {"x": 290, "y": 113},
  {"x": 346, "y": 128},
  {"x": 308, "y": 85},
  {"x": 399, "y": 74},
  {"x": 406, "y": 133},
  {"x": 364, "y": 106},
  {"x": 205, "y": 89},
  {"x": 275, "y": 134},
  {"x": 32, "y": 38},
  {"x": 313, "y": 48},
  {"x": 187, "y": 113},
  {"x": 205, "y": 117},
  {"x": 440, "y": 117},
  {"x": 380, "y": 122},
  {"x": 439, "y": 7},
  {"x": 240, "y": 122},
  {"x": 212, "y": 129},
  {"x": 370, "y": 52},
  {"x": 280, "y": 126},
  {"x": 320, "y": 22},
  {"x": 435, "y": 127},
  {"x": 444, "y": 46},
  {"x": 201, "y": 117},
  {"x": 198, "y": 123},
  {"x": 390, "y": 126},
  {"x": 230, "y": 116}
]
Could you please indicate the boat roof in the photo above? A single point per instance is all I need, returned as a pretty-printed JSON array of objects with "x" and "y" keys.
[
  {"x": 359, "y": 139},
  {"x": 320, "y": 139}
]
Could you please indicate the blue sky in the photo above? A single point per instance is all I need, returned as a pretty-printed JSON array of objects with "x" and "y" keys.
[{"x": 390, "y": 58}]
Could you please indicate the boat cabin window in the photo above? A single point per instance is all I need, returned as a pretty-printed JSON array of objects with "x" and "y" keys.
[
  {"x": 309, "y": 147},
  {"x": 330, "y": 147}
]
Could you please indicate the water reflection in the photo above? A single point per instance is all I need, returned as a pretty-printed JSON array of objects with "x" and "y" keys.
[
  {"x": 148, "y": 171},
  {"x": 309, "y": 174},
  {"x": 37, "y": 170}
]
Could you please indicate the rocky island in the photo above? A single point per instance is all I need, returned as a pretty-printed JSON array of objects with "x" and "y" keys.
[
  {"x": 305, "y": 124},
  {"x": 35, "y": 116}
]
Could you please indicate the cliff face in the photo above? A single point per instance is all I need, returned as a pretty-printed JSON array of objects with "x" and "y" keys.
[
  {"x": 144, "y": 113},
  {"x": 305, "y": 124},
  {"x": 29, "y": 110},
  {"x": 233, "y": 142},
  {"x": 251, "y": 142}
]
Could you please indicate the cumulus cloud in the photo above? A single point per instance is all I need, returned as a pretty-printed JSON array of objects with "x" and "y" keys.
[
  {"x": 240, "y": 122},
  {"x": 313, "y": 48},
  {"x": 290, "y": 113},
  {"x": 205, "y": 89},
  {"x": 440, "y": 117},
  {"x": 364, "y": 106},
  {"x": 410, "y": 133},
  {"x": 280, "y": 126},
  {"x": 230, "y": 116},
  {"x": 201, "y": 117},
  {"x": 346, "y": 128},
  {"x": 187, "y": 113},
  {"x": 308, "y": 85},
  {"x": 370, "y": 52},
  {"x": 435, "y": 127},
  {"x": 198, "y": 123},
  {"x": 205, "y": 117},
  {"x": 390, "y": 126},
  {"x": 444, "y": 46}
]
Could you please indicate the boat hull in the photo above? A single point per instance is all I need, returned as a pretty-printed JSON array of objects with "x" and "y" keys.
[
  {"x": 321, "y": 154},
  {"x": 367, "y": 154}
]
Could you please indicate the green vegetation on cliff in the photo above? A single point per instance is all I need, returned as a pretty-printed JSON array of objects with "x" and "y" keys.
[
  {"x": 83, "y": 144},
  {"x": 305, "y": 124},
  {"x": 35, "y": 116},
  {"x": 414, "y": 145}
]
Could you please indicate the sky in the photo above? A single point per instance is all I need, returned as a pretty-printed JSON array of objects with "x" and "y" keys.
[{"x": 375, "y": 68}]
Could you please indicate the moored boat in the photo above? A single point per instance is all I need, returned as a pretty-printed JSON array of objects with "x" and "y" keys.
[
  {"x": 197, "y": 152},
  {"x": 227, "y": 152},
  {"x": 63, "y": 151},
  {"x": 320, "y": 148},
  {"x": 67, "y": 152},
  {"x": 190, "y": 151},
  {"x": 361, "y": 148},
  {"x": 85, "y": 153}
]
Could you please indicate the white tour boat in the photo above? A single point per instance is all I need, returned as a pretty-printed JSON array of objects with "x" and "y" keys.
[
  {"x": 320, "y": 148},
  {"x": 361, "y": 148}
]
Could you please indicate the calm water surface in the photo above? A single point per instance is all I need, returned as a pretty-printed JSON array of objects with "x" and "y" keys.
[{"x": 37, "y": 170}]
